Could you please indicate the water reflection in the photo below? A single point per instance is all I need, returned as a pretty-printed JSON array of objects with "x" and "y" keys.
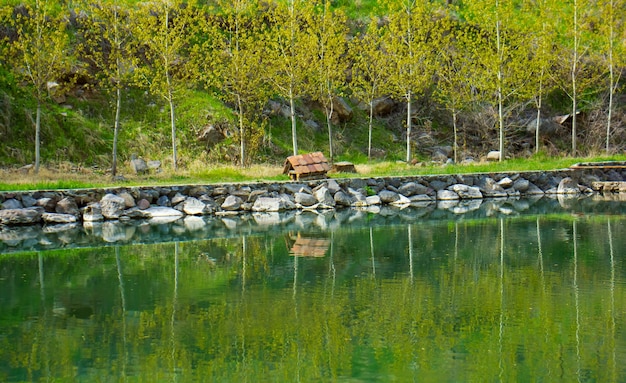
[{"x": 323, "y": 298}]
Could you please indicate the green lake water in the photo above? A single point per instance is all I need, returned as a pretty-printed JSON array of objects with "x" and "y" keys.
[{"x": 510, "y": 298}]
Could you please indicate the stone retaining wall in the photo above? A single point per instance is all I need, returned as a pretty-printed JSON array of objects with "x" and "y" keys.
[{"x": 173, "y": 202}]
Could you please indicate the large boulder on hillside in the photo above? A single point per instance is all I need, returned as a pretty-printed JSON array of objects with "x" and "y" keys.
[
  {"x": 342, "y": 112},
  {"x": 138, "y": 165}
]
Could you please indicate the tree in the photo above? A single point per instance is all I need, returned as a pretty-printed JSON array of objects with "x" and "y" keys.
[
  {"x": 456, "y": 70},
  {"x": 612, "y": 12},
  {"x": 409, "y": 41},
  {"x": 237, "y": 65},
  {"x": 290, "y": 55},
  {"x": 542, "y": 30},
  {"x": 503, "y": 56},
  {"x": 582, "y": 74},
  {"x": 330, "y": 30},
  {"x": 39, "y": 55},
  {"x": 108, "y": 47},
  {"x": 368, "y": 71},
  {"x": 161, "y": 29}
]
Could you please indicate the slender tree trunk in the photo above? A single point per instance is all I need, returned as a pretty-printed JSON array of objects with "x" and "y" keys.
[
  {"x": 369, "y": 138},
  {"x": 294, "y": 134},
  {"x": 573, "y": 76},
  {"x": 116, "y": 129},
  {"x": 173, "y": 124},
  {"x": 408, "y": 127},
  {"x": 456, "y": 145},
  {"x": 242, "y": 134},
  {"x": 329, "y": 116},
  {"x": 539, "y": 105},
  {"x": 38, "y": 137},
  {"x": 500, "y": 80},
  {"x": 611, "y": 78}
]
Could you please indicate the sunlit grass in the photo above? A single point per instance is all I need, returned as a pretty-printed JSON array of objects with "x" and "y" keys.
[{"x": 66, "y": 177}]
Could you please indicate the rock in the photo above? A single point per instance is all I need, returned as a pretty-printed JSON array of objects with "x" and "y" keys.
[
  {"x": 112, "y": 206},
  {"x": 178, "y": 198},
  {"x": 129, "y": 200},
  {"x": 493, "y": 155},
  {"x": 154, "y": 166},
  {"x": 48, "y": 203},
  {"x": 323, "y": 196},
  {"x": 67, "y": 206},
  {"x": 26, "y": 216},
  {"x": 268, "y": 204},
  {"x": 254, "y": 194},
  {"x": 193, "y": 206},
  {"x": 568, "y": 186},
  {"x": 137, "y": 213},
  {"x": 506, "y": 183},
  {"x": 232, "y": 203},
  {"x": 305, "y": 199},
  {"x": 138, "y": 165},
  {"x": 447, "y": 195},
  {"x": 382, "y": 106},
  {"x": 521, "y": 185},
  {"x": 466, "y": 192},
  {"x": 313, "y": 125},
  {"x": 29, "y": 201},
  {"x": 162, "y": 212},
  {"x": 342, "y": 111},
  {"x": 412, "y": 188},
  {"x": 333, "y": 186},
  {"x": 58, "y": 218},
  {"x": 387, "y": 196},
  {"x": 490, "y": 188},
  {"x": 343, "y": 199},
  {"x": 12, "y": 203},
  {"x": 143, "y": 204},
  {"x": 439, "y": 156},
  {"x": 373, "y": 200},
  {"x": 164, "y": 201},
  {"x": 358, "y": 198},
  {"x": 93, "y": 213},
  {"x": 297, "y": 188},
  {"x": 211, "y": 136},
  {"x": 401, "y": 201}
]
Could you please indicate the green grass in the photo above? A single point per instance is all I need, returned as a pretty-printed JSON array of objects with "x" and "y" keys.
[{"x": 270, "y": 173}]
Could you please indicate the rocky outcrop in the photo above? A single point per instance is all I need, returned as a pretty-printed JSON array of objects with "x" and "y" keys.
[{"x": 174, "y": 202}]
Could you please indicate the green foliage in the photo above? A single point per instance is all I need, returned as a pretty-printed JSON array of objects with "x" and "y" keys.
[{"x": 467, "y": 67}]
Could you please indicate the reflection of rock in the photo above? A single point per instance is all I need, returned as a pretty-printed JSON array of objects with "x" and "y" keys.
[
  {"x": 267, "y": 218},
  {"x": 114, "y": 232}
]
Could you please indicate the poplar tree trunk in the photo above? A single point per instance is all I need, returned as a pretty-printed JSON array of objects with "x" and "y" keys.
[
  {"x": 37, "y": 137},
  {"x": 116, "y": 129},
  {"x": 294, "y": 134},
  {"x": 408, "y": 127}
]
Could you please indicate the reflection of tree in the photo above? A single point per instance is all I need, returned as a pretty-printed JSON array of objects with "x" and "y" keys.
[{"x": 191, "y": 318}]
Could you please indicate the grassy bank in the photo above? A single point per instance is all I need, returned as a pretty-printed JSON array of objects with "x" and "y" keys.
[{"x": 77, "y": 178}]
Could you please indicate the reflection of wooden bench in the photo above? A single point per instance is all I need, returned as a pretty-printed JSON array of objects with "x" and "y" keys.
[
  {"x": 309, "y": 166},
  {"x": 308, "y": 247}
]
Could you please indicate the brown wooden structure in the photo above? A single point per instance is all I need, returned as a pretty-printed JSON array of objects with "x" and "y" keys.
[
  {"x": 309, "y": 166},
  {"x": 300, "y": 246}
]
